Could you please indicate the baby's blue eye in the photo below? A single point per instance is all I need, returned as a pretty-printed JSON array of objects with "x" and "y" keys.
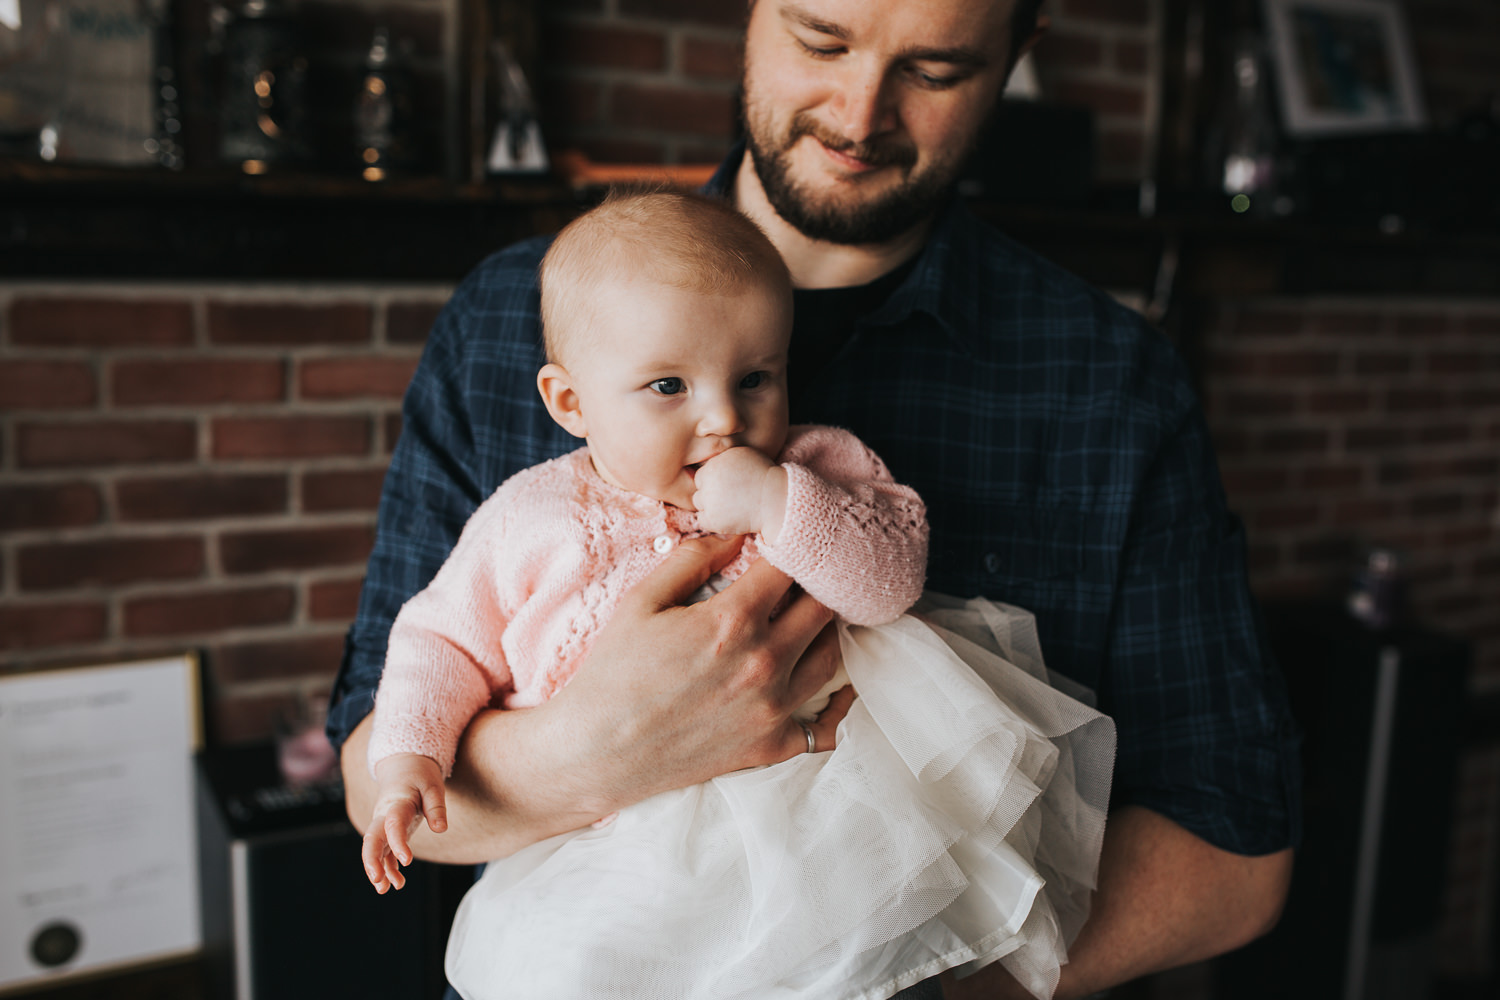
[
  {"x": 754, "y": 380},
  {"x": 667, "y": 386}
]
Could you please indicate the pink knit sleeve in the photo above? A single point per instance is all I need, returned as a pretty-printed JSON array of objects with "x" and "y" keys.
[
  {"x": 444, "y": 659},
  {"x": 851, "y": 537}
]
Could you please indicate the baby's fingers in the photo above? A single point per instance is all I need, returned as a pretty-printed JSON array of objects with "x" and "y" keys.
[
  {"x": 435, "y": 808},
  {"x": 398, "y": 824},
  {"x": 374, "y": 853}
]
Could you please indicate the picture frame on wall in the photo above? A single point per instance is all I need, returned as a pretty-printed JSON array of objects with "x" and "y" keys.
[{"x": 1343, "y": 67}]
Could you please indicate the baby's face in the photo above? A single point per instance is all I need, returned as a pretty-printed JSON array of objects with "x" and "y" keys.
[{"x": 668, "y": 378}]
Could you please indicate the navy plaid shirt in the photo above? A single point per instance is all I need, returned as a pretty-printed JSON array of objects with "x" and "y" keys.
[{"x": 1066, "y": 469}]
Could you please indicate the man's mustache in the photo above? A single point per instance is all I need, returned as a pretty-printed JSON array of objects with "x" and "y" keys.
[{"x": 879, "y": 153}]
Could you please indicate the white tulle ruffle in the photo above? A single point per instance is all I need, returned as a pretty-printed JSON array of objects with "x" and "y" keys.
[{"x": 957, "y": 823}]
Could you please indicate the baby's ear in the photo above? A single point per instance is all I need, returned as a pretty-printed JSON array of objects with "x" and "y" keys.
[{"x": 556, "y": 387}]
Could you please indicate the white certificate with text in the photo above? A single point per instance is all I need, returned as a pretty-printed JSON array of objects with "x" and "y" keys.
[{"x": 98, "y": 844}]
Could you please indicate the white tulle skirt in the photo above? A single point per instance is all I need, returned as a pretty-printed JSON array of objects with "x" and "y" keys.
[{"x": 958, "y": 823}]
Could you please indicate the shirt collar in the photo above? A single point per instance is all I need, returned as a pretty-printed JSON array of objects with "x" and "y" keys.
[{"x": 938, "y": 285}]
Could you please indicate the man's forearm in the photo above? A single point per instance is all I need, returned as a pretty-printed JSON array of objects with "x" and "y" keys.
[{"x": 1165, "y": 898}]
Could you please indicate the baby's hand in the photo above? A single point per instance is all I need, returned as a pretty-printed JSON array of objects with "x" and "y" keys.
[
  {"x": 410, "y": 787},
  {"x": 737, "y": 493}
]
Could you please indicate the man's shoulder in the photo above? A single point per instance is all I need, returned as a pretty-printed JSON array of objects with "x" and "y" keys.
[{"x": 1065, "y": 318}]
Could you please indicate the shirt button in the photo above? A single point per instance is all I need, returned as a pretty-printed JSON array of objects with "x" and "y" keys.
[
  {"x": 992, "y": 562},
  {"x": 662, "y": 544}
]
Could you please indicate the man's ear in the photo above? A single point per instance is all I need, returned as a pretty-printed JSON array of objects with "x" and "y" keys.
[{"x": 556, "y": 387}]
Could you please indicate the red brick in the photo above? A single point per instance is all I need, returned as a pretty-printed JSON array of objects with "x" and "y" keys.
[
  {"x": 216, "y": 611},
  {"x": 1244, "y": 482},
  {"x": 1416, "y": 400},
  {"x": 1331, "y": 477},
  {"x": 1323, "y": 552},
  {"x": 1300, "y": 362},
  {"x": 1436, "y": 504},
  {"x": 725, "y": 12},
  {"x": 114, "y": 442},
  {"x": 46, "y": 385},
  {"x": 295, "y": 548},
  {"x": 1261, "y": 320},
  {"x": 392, "y": 425},
  {"x": 1132, "y": 57},
  {"x": 570, "y": 103},
  {"x": 609, "y": 150},
  {"x": 333, "y": 600},
  {"x": 291, "y": 325},
  {"x": 1294, "y": 439},
  {"x": 1421, "y": 324},
  {"x": 1280, "y": 517},
  {"x": 37, "y": 626},
  {"x": 1468, "y": 362},
  {"x": 46, "y": 322},
  {"x": 1363, "y": 510},
  {"x": 356, "y": 378},
  {"x": 110, "y": 562},
  {"x": 711, "y": 58},
  {"x": 597, "y": 46},
  {"x": 1450, "y": 433},
  {"x": 190, "y": 498},
  {"x": 314, "y": 656},
  {"x": 1259, "y": 403},
  {"x": 1356, "y": 323},
  {"x": 1263, "y": 557},
  {"x": 352, "y": 489},
  {"x": 1059, "y": 51},
  {"x": 194, "y": 383},
  {"x": 1106, "y": 98},
  {"x": 1134, "y": 12},
  {"x": 1375, "y": 437},
  {"x": 409, "y": 322},
  {"x": 290, "y": 437},
  {"x": 1487, "y": 325},
  {"x": 53, "y": 505},
  {"x": 672, "y": 109},
  {"x": 1382, "y": 363},
  {"x": 1340, "y": 401}
]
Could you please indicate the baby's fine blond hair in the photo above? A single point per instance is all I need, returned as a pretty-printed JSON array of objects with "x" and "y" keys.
[{"x": 676, "y": 238}]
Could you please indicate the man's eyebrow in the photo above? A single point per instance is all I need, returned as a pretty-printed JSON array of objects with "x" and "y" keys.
[
  {"x": 961, "y": 56},
  {"x": 807, "y": 19}
]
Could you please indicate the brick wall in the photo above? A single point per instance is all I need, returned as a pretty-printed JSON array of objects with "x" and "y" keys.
[
  {"x": 197, "y": 467},
  {"x": 1342, "y": 424}
]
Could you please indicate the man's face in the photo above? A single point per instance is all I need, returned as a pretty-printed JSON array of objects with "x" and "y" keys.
[{"x": 860, "y": 112}]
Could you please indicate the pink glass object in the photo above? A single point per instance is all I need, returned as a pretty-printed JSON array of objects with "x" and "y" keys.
[{"x": 303, "y": 752}]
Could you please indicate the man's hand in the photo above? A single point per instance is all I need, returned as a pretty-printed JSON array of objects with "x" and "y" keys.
[
  {"x": 740, "y": 492},
  {"x": 671, "y": 695}
]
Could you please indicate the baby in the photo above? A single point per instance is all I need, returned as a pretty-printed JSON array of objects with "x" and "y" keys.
[{"x": 910, "y": 848}]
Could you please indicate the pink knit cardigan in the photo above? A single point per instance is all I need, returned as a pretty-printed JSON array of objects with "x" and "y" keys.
[{"x": 542, "y": 563}]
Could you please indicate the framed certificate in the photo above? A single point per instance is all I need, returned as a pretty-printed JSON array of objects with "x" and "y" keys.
[{"x": 98, "y": 844}]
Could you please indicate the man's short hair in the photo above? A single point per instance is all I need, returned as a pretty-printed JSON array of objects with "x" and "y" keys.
[{"x": 677, "y": 238}]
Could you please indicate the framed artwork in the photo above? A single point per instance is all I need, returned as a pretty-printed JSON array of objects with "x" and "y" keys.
[
  {"x": 1343, "y": 67},
  {"x": 98, "y": 843}
]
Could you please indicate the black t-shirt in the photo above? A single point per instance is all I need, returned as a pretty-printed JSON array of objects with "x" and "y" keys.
[{"x": 824, "y": 320}]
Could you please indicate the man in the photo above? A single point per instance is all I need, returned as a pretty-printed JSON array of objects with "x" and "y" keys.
[{"x": 1062, "y": 457}]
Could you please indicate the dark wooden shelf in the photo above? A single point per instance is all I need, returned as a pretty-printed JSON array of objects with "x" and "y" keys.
[{"x": 61, "y": 222}]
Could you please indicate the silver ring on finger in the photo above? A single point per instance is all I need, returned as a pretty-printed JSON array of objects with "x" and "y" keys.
[{"x": 812, "y": 743}]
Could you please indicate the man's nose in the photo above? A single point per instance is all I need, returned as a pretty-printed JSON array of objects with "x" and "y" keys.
[{"x": 862, "y": 103}]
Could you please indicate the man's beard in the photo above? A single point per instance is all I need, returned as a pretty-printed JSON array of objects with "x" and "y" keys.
[{"x": 878, "y": 221}]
